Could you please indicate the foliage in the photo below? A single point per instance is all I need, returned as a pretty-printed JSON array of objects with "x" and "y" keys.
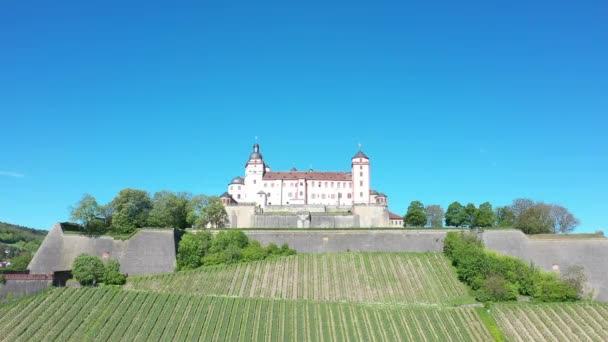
[
  {"x": 434, "y": 215},
  {"x": 454, "y": 217},
  {"x": 416, "y": 215},
  {"x": 191, "y": 250},
  {"x": 206, "y": 210},
  {"x": 491, "y": 324},
  {"x": 535, "y": 220},
  {"x": 484, "y": 216},
  {"x": 563, "y": 220},
  {"x": 495, "y": 277},
  {"x": 468, "y": 215},
  {"x": 504, "y": 216},
  {"x": 169, "y": 210},
  {"x": 85, "y": 211},
  {"x": 2, "y": 279},
  {"x": 20, "y": 263},
  {"x": 112, "y": 275},
  {"x": 576, "y": 277},
  {"x": 11, "y": 234},
  {"x": 131, "y": 208},
  {"x": 226, "y": 247},
  {"x": 88, "y": 269}
]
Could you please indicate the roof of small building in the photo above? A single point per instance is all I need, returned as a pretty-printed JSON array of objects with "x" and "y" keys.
[
  {"x": 360, "y": 154},
  {"x": 308, "y": 175},
  {"x": 381, "y": 194},
  {"x": 225, "y": 195},
  {"x": 373, "y": 192},
  {"x": 393, "y": 216}
]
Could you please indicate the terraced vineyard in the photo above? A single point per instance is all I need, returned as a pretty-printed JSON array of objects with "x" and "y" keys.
[
  {"x": 110, "y": 315},
  {"x": 553, "y": 322},
  {"x": 347, "y": 277}
]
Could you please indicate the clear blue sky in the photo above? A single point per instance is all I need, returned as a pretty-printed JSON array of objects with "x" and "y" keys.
[{"x": 469, "y": 101}]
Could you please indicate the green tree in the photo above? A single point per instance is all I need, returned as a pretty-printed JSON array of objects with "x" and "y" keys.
[
  {"x": 434, "y": 215},
  {"x": 192, "y": 249},
  {"x": 224, "y": 239},
  {"x": 536, "y": 220},
  {"x": 563, "y": 220},
  {"x": 454, "y": 217},
  {"x": 112, "y": 275},
  {"x": 484, "y": 216},
  {"x": 215, "y": 213},
  {"x": 169, "y": 210},
  {"x": 504, "y": 216},
  {"x": 416, "y": 215},
  {"x": 468, "y": 215},
  {"x": 86, "y": 212},
  {"x": 20, "y": 263},
  {"x": 131, "y": 209},
  {"x": 88, "y": 269},
  {"x": 195, "y": 217}
]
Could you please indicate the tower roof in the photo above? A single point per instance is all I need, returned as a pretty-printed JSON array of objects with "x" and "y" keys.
[
  {"x": 360, "y": 154},
  {"x": 256, "y": 152},
  {"x": 237, "y": 180}
]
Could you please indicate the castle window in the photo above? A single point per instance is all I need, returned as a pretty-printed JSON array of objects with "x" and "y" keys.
[
  {"x": 360, "y": 194},
  {"x": 301, "y": 184},
  {"x": 272, "y": 185},
  {"x": 239, "y": 187},
  {"x": 254, "y": 181},
  {"x": 333, "y": 196},
  {"x": 332, "y": 184},
  {"x": 338, "y": 184},
  {"x": 238, "y": 196},
  {"x": 361, "y": 174},
  {"x": 268, "y": 194},
  {"x": 312, "y": 196},
  {"x": 326, "y": 184},
  {"x": 312, "y": 183},
  {"x": 319, "y": 184},
  {"x": 344, "y": 184},
  {"x": 301, "y": 193},
  {"x": 360, "y": 167},
  {"x": 339, "y": 195},
  {"x": 349, "y": 195},
  {"x": 265, "y": 184},
  {"x": 361, "y": 183},
  {"x": 231, "y": 187},
  {"x": 323, "y": 196},
  {"x": 350, "y": 185},
  {"x": 290, "y": 194}
]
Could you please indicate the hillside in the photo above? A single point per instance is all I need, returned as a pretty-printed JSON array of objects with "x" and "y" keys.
[
  {"x": 345, "y": 277},
  {"x": 107, "y": 314},
  {"x": 11, "y": 234}
]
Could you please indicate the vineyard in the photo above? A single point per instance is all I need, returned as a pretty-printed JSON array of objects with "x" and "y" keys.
[
  {"x": 553, "y": 322},
  {"x": 109, "y": 315},
  {"x": 347, "y": 277}
]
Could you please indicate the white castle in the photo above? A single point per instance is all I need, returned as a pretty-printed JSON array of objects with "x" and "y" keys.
[{"x": 264, "y": 187}]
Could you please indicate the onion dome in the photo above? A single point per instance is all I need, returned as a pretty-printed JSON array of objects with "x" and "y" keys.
[
  {"x": 256, "y": 152},
  {"x": 293, "y": 169},
  {"x": 238, "y": 180}
]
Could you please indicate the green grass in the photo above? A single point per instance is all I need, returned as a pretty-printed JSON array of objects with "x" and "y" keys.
[
  {"x": 396, "y": 278},
  {"x": 230, "y": 319},
  {"x": 114, "y": 235},
  {"x": 490, "y": 323}
]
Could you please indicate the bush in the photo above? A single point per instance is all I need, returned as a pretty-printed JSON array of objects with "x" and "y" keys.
[
  {"x": 285, "y": 250},
  {"x": 272, "y": 249},
  {"x": 191, "y": 250},
  {"x": 2, "y": 279},
  {"x": 112, "y": 275},
  {"x": 88, "y": 269},
  {"x": 226, "y": 238},
  {"x": 254, "y": 252},
  {"x": 496, "y": 277},
  {"x": 214, "y": 259}
]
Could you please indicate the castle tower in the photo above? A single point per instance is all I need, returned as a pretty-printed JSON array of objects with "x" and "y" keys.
[
  {"x": 254, "y": 171},
  {"x": 361, "y": 178}
]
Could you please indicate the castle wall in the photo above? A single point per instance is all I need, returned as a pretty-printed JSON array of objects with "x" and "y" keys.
[
  {"x": 240, "y": 216},
  {"x": 371, "y": 215}
]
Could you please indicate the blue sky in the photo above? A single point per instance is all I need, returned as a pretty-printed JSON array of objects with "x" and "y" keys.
[{"x": 469, "y": 101}]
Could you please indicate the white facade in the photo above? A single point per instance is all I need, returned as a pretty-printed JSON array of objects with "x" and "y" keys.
[{"x": 265, "y": 187}]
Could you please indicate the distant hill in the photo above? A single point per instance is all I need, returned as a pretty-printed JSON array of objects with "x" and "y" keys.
[{"x": 12, "y": 234}]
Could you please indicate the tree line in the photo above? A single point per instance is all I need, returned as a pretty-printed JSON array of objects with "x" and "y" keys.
[
  {"x": 529, "y": 216},
  {"x": 132, "y": 209}
]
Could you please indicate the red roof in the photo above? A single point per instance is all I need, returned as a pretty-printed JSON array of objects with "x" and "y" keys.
[
  {"x": 309, "y": 175},
  {"x": 393, "y": 216}
]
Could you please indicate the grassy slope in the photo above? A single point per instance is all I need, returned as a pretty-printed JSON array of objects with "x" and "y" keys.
[
  {"x": 107, "y": 314},
  {"x": 404, "y": 278},
  {"x": 19, "y": 233}
]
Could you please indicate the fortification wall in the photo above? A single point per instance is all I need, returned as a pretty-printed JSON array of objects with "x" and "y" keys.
[
  {"x": 240, "y": 216},
  {"x": 19, "y": 287},
  {"x": 371, "y": 215},
  {"x": 592, "y": 254}
]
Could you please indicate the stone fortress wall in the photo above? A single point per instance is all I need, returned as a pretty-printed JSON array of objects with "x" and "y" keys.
[{"x": 549, "y": 254}]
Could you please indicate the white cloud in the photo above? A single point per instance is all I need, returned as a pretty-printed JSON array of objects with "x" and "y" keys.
[{"x": 11, "y": 174}]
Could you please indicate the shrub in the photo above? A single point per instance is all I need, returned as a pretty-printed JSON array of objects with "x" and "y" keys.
[
  {"x": 272, "y": 249},
  {"x": 88, "y": 269},
  {"x": 112, "y": 275},
  {"x": 214, "y": 259},
  {"x": 191, "y": 250},
  {"x": 496, "y": 277},
  {"x": 2, "y": 279},
  {"x": 226, "y": 238},
  {"x": 285, "y": 250},
  {"x": 254, "y": 252}
]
